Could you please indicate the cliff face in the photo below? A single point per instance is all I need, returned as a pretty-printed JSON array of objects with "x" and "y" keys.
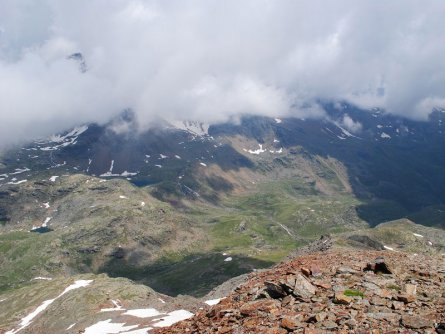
[{"x": 343, "y": 291}]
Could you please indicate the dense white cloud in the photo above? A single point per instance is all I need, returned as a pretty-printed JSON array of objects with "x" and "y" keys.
[
  {"x": 213, "y": 60},
  {"x": 351, "y": 125}
]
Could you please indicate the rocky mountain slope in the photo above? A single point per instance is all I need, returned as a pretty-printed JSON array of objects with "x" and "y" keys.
[
  {"x": 390, "y": 164},
  {"x": 183, "y": 207},
  {"x": 338, "y": 291}
]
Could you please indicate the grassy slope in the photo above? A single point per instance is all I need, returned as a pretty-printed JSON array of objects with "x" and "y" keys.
[{"x": 291, "y": 201}]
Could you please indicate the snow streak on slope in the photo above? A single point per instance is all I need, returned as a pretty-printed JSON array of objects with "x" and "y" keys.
[
  {"x": 194, "y": 127},
  {"x": 63, "y": 141},
  {"x": 26, "y": 321}
]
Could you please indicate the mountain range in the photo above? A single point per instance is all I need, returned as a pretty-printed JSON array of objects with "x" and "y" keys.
[{"x": 184, "y": 206}]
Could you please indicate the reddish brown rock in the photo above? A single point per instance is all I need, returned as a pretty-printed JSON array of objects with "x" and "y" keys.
[
  {"x": 291, "y": 322},
  {"x": 283, "y": 299},
  {"x": 303, "y": 288},
  {"x": 340, "y": 298},
  {"x": 306, "y": 272},
  {"x": 416, "y": 322},
  {"x": 406, "y": 298}
]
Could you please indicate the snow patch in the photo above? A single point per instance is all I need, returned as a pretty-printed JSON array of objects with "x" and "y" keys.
[
  {"x": 70, "y": 326},
  {"x": 277, "y": 120},
  {"x": 143, "y": 313},
  {"x": 193, "y": 127},
  {"x": 125, "y": 174},
  {"x": 258, "y": 151},
  {"x": 26, "y": 321},
  {"x": 138, "y": 331},
  {"x": 18, "y": 182},
  {"x": 418, "y": 235},
  {"x": 286, "y": 229},
  {"x": 66, "y": 140},
  {"x": 107, "y": 327},
  {"x": 20, "y": 171},
  {"x": 203, "y": 164},
  {"x": 388, "y": 248},
  {"x": 384, "y": 135},
  {"x": 53, "y": 178},
  {"x": 45, "y": 223},
  {"x": 173, "y": 317},
  {"x": 116, "y": 307},
  {"x": 228, "y": 259},
  {"x": 110, "y": 171},
  {"x": 345, "y": 132},
  {"x": 212, "y": 302},
  {"x": 77, "y": 131}
]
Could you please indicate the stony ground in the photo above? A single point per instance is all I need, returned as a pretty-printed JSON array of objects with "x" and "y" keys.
[{"x": 342, "y": 291}]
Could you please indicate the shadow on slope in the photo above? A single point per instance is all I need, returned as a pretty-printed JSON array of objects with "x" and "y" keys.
[
  {"x": 195, "y": 274},
  {"x": 394, "y": 178}
]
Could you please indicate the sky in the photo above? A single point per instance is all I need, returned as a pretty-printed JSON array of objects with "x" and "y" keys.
[{"x": 214, "y": 60}]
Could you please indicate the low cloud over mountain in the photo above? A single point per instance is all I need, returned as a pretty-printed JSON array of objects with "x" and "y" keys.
[{"x": 63, "y": 63}]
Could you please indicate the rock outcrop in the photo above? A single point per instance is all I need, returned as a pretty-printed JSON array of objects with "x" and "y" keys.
[{"x": 337, "y": 291}]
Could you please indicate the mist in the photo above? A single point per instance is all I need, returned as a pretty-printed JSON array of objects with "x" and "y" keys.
[{"x": 213, "y": 61}]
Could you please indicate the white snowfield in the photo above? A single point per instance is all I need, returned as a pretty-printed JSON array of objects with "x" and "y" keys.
[
  {"x": 107, "y": 327},
  {"x": 143, "y": 313},
  {"x": 418, "y": 235},
  {"x": 66, "y": 140},
  {"x": 257, "y": 151},
  {"x": 173, "y": 317},
  {"x": 193, "y": 127},
  {"x": 212, "y": 302},
  {"x": 161, "y": 320},
  {"x": 26, "y": 321}
]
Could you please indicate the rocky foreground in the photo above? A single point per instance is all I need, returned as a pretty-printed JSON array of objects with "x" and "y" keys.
[{"x": 339, "y": 291}]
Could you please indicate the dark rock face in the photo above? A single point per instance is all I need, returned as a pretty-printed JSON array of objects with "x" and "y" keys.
[
  {"x": 118, "y": 253},
  {"x": 342, "y": 298}
]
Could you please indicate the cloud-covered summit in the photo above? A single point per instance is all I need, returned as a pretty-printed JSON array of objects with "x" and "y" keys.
[{"x": 214, "y": 60}]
